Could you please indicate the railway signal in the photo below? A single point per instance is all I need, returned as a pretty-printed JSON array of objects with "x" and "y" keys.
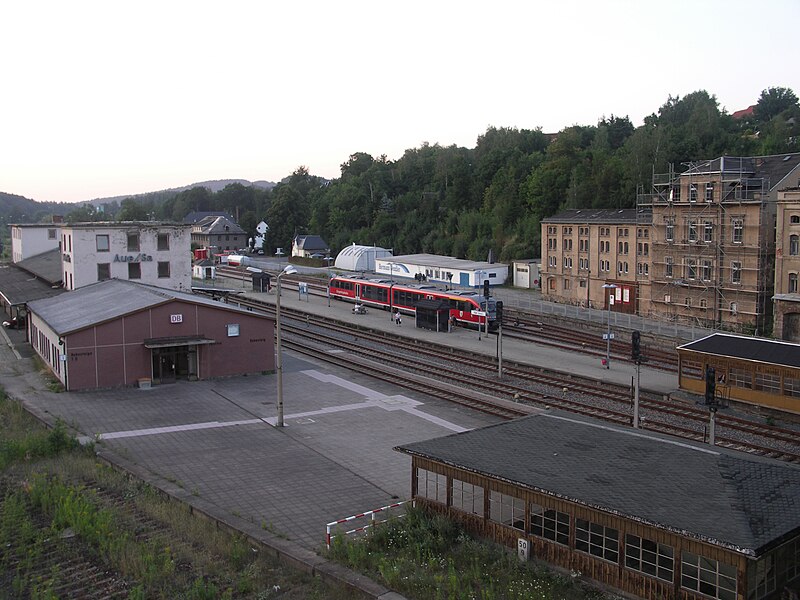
[
  {"x": 636, "y": 345},
  {"x": 711, "y": 386},
  {"x": 486, "y": 288}
]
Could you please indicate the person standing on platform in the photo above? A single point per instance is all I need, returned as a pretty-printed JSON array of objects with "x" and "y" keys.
[{"x": 397, "y": 318}]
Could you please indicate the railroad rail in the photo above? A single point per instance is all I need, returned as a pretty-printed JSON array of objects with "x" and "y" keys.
[{"x": 470, "y": 379}]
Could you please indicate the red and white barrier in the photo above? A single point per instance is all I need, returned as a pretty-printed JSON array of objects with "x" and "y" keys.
[{"x": 372, "y": 514}]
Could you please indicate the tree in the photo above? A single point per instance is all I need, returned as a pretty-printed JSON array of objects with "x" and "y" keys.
[
  {"x": 773, "y": 101},
  {"x": 131, "y": 210}
]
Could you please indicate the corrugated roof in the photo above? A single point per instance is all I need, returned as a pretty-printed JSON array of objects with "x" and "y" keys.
[
  {"x": 747, "y": 348},
  {"x": 107, "y": 300},
  {"x": 725, "y": 498}
]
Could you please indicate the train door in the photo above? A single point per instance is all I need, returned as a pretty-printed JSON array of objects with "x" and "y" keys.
[{"x": 358, "y": 292}]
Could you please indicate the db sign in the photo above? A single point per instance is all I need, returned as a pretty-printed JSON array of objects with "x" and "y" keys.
[{"x": 176, "y": 318}]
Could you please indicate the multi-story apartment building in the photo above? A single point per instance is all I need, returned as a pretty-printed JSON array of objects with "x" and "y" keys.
[
  {"x": 218, "y": 233},
  {"x": 713, "y": 241},
  {"x": 148, "y": 252},
  {"x": 584, "y": 250},
  {"x": 787, "y": 266}
]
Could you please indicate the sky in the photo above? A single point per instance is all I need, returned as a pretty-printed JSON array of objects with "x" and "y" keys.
[{"x": 102, "y": 99}]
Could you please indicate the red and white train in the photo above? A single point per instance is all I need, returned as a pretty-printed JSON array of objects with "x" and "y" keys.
[{"x": 391, "y": 295}]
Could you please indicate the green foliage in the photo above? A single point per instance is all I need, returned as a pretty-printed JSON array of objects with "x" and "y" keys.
[
  {"x": 463, "y": 202},
  {"x": 423, "y": 556}
]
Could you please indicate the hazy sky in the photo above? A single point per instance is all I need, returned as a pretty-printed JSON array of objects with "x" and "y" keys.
[{"x": 111, "y": 98}]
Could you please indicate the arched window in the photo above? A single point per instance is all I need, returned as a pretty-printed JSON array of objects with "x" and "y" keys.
[
  {"x": 792, "y": 283},
  {"x": 794, "y": 245},
  {"x": 794, "y": 219}
]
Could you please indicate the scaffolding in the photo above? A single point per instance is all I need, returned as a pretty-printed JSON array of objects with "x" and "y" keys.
[{"x": 711, "y": 245}]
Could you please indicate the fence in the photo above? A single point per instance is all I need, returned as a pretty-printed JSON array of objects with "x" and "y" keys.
[{"x": 373, "y": 520}]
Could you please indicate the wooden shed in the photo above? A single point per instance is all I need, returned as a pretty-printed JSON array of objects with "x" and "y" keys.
[
  {"x": 757, "y": 371},
  {"x": 645, "y": 514}
]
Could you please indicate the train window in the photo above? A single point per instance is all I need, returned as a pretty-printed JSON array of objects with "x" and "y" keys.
[
  {"x": 740, "y": 378},
  {"x": 791, "y": 387}
]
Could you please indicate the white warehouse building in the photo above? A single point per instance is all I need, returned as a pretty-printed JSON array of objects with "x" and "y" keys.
[
  {"x": 443, "y": 269},
  {"x": 360, "y": 258}
]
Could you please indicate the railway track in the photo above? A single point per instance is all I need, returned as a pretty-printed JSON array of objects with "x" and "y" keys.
[{"x": 446, "y": 372}]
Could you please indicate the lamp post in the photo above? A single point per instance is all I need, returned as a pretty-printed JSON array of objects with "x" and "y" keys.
[
  {"x": 609, "y": 287},
  {"x": 328, "y": 260},
  {"x": 288, "y": 270},
  {"x": 480, "y": 275}
]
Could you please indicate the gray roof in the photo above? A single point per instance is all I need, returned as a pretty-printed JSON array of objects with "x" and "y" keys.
[
  {"x": 197, "y": 215},
  {"x": 20, "y": 287},
  {"x": 110, "y": 299},
  {"x": 748, "y": 348},
  {"x": 212, "y": 225},
  {"x": 604, "y": 216},
  {"x": 723, "y": 498},
  {"x": 310, "y": 243},
  {"x": 46, "y": 266},
  {"x": 773, "y": 168}
]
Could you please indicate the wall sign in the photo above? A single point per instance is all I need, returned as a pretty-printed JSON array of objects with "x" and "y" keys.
[
  {"x": 131, "y": 258},
  {"x": 176, "y": 318}
]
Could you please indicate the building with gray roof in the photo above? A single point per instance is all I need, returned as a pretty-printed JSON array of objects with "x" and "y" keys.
[
  {"x": 649, "y": 515},
  {"x": 117, "y": 333}
]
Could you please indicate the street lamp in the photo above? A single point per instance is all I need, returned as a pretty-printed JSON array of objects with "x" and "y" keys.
[
  {"x": 609, "y": 287},
  {"x": 288, "y": 270},
  {"x": 480, "y": 275},
  {"x": 328, "y": 260}
]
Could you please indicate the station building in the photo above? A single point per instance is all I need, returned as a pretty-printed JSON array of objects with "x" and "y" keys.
[
  {"x": 649, "y": 516},
  {"x": 787, "y": 266},
  {"x": 149, "y": 252},
  {"x": 442, "y": 269},
  {"x": 117, "y": 333}
]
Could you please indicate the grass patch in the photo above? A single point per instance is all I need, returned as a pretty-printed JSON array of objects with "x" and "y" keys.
[
  {"x": 57, "y": 501},
  {"x": 430, "y": 557}
]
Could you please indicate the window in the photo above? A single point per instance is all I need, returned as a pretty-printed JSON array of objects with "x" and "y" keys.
[
  {"x": 432, "y": 486},
  {"x": 133, "y": 242},
  {"x": 467, "y": 497},
  {"x": 668, "y": 266},
  {"x": 738, "y": 230},
  {"x": 163, "y": 270},
  {"x": 103, "y": 271},
  {"x": 549, "y": 524},
  {"x": 669, "y": 226},
  {"x": 708, "y": 271},
  {"x": 643, "y": 269},
  {"x": 597, "y": 540},
  {"x": 163, "y": 241},
  {"x": 134, "y": 270},
  {"x": 792, "y": 283},
  {"x": 688, "y": 302},
  {"x": 703, "y": 303},
  {"x": 709, "y": 577},
  {"x": 789, "y": 557},
  {"x": 734, "y": 308},
  {"x": 102, "y": 243},
  {"x": 649, "y": 557},
  {"x": 507, "y": 510},
  {"x": 675, "y": 193},
  {"x": 708, "y": 231},
  {"x": 692, "y": 234},
  {"x": 567, "y": 284},
  {"x": 710, "y": 191},
  {"x": 768, "y": 382},
  {"x": 791, "y": 387},
  {"x": 740, "y": 378},
  {"x": 693, "y": 193},
  {"x": 691, "y": 268},
  {"x": 233, "y": 329},
  {"x": 52, "y": 234},
  {"x": 794, "y": 219},
  {"x": 761, "y": 577},
  {"x": 794, "y": 245},
  {"x": 736, "y": 272}
]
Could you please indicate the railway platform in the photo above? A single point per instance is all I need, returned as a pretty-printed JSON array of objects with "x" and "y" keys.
[{"x": 545, "y": 357}]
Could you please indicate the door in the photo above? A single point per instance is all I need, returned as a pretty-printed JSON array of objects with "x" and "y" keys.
[{"x": 463, "y": 279}]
